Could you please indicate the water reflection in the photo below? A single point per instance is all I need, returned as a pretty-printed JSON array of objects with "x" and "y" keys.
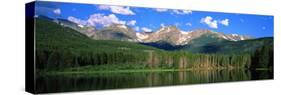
[{"x": 78, "y": 82}]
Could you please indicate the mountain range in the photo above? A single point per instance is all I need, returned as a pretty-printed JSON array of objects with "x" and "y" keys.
[
  {"x": 172, "y": 38},
  {"x": 169, "y": 34}
]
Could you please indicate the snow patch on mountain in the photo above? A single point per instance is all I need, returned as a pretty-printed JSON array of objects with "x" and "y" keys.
[
  {"x": 161, "y": 29},
  {"x": 185, "y": 32},
  {"x": 122, "y": 26},
  {"x": 81, "y": 26},
  {"x": 141, "y": 36},
  {"x": 234, "y": 34},
  {"x": 242, "y": 38},
  {"x": 170, "y": 34}
]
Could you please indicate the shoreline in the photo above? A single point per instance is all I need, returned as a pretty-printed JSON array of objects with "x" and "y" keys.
[{"x": 142, "y": 71}]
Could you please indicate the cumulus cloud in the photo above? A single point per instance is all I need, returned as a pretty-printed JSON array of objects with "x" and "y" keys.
[
  {"x": 182, "y": 12},
  {"x": 137, "y": 28},
  {"x": 117, "y": 9},
  {"x": 57, "y": 11},
  {"x": 76, "y": 20},
  {"x": 225, "y": 22},
  {"x": 161, "y": 10},
  {"x": 162, "y": 25},
  {"x": 46, "y": 8},
  {"x": 175, "y": 11},
  {"x": 101, "y": 19},
  {"x": 146, "y": 29},
  {"x": 98, "y": 19},
  {"x": 132, "y": 22},
  {"x": 210, "y": 22},
  {"x": 50, "y": 11},
  {"x": 104, "y": 7}
]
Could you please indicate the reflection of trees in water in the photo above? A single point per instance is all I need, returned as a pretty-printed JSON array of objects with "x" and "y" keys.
[
  {"x": 58, "y": 83},
  {"x": 197, "y": 76},
  {"x": 210, "y": 76}
]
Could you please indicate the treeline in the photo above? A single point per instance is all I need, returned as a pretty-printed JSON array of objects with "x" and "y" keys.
[
  {"x": 185, "y": 60},
  {"x": 263, "y": 57},
  {"x": 60, "y": 59}
]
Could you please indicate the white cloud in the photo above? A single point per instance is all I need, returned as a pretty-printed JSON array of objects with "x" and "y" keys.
[
  {"x": 146, "y": 29},
  {"x": 104, "y": 7},
  {"x": 182, "y": 12},
  {"x": 161, "y": 10},
  {"x": 47, "y": 10},
  {"x": 57, "y": 11},
  {"x": 76, "y": 20},
  {"x": 225, "y": 22},
  {"x": 100, "y": 19},
  {"x": 132, "y": 22},
  {"x": 210, "y": 22},
  {"x": 117, "y": 9},
  {"x": 137, "y": 28},
  {"x": 175, "y": 11},
  {"x": 214, "y": 23},
  {"x": 162, "y": 25},
  {"x": 188, "y": 24}
]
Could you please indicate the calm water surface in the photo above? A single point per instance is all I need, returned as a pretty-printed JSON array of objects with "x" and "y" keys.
[{"x": 80, "y": 82}]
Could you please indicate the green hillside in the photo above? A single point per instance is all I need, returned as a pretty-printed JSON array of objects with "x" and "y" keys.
[
  {"x": 209, "y": 44},
  {"x": 245, "y": 46},
  {"x": 204, "y": 44},
  {"x": 53, "y": 36},
  {"x": 58, "y": 46}
]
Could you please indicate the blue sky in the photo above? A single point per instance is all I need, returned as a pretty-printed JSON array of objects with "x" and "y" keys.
[{"x": 151, "y": 19}]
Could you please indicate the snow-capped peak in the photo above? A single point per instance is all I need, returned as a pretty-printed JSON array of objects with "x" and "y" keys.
[
  {"x": 185, "y": 32},
  {"x": 141, "y": 36},
  {"x": 161, "y": 29},
  {"x": 234, "y": 34},
  {"x": 122, "y": 26},
  {"x": 81, "y": 26},
  {"x": 242, "y": 38},
  {"x": 224, "y": 37},
  {"x": 168, "y": 29}
]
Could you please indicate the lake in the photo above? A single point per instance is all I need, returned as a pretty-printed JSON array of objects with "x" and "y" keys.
[{"x": 83, "y": 82}]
